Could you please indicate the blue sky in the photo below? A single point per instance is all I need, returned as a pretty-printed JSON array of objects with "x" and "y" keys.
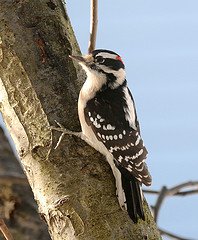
[{"x": 158, "y": 41}]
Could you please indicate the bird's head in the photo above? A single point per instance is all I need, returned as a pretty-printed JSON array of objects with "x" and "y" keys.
[{"x": 103, "y": 65}]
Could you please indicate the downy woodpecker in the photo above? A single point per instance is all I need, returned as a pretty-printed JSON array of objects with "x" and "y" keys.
[{"x": 109, "y": 124}]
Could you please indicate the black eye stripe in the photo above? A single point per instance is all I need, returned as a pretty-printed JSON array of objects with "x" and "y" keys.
[{"x": 99, "y": 59}]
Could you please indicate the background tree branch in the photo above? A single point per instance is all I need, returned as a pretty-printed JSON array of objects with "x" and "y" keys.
[
  {"x": 93, "y": 24},
  {"x": 73, "y": 185},
  {"x": 18, "y": 210},
  {"x": 165, "y": 192}
]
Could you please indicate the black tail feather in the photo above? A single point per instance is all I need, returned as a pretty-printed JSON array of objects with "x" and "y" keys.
[{"x": 133, "y": 198}]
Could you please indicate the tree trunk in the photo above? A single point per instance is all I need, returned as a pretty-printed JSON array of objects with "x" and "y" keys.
[
  {"x": 73, "y": 185},
  {"x": 17, "y": 206}
]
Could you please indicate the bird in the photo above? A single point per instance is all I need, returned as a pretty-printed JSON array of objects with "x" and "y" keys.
[{"x": 109, "y": 123}]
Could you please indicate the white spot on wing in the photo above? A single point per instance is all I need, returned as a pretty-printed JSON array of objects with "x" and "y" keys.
[
  {"x": 120, "y": 136},
  {"x": 99, "y": 135},
  {"x": 104, "y": 127},
  {"x": 138, "y": 140},
  {"x": 138, "y": 164},
  {"x": 139, "y": 179},
  {"x": 114, "y": 149},
  {"x": 129, "y": 167},
  {"x": 98, "y": 116},
  {"x": 110, "y": 137},
  {"x": 110, "y": 127},
  {"x": 140, "y": 169}
]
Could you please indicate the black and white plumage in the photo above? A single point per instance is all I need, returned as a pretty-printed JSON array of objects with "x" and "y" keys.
[{"x": 109, "y": 123}]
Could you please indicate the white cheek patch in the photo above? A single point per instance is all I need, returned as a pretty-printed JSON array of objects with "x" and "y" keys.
[{"x": 120, "y": 75}]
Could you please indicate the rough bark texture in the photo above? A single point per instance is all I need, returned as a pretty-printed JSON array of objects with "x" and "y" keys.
[
  {"x": 17, "y": 205},
  {"x": 73, "y": 185}
]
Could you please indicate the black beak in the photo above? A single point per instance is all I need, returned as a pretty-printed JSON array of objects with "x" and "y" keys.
[
  {"x": 85, "y": 60},
  {"x": 77, "y": 58}
]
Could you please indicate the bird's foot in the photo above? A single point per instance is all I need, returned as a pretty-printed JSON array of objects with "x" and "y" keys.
[{"x": 64, "y": 131}]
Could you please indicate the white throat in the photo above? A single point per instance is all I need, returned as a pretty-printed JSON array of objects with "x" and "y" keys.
[
  {"x": 93, "y": 83},
  {"x": 95, "y": 80}
]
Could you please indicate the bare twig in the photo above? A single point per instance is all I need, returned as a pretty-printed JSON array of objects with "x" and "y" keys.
[
  {"x": 160, "y": 199},
  {"x": 173, "y": 236},
  {"x": 167, "y": 192},
  {"x": 4, "y": 229},
  {"x": 179, "y": 194},
  {"x": 176, "y": 190},
  {"x": 93, "y": 25}
]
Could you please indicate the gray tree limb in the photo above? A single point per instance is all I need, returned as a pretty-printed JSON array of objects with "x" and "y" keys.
[
  {"x": 73, "y": 185},
  {"x": 18, "y": 210}
]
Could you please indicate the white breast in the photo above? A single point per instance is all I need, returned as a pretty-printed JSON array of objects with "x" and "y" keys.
[{"x": 87, "y": 92}]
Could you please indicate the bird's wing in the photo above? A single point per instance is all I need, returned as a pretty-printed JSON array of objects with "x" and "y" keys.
[{"x": 123, "y": 142}]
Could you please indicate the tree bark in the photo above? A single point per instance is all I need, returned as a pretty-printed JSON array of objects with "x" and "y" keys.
[
  {"x": 73, "y": 185},
  {"x": 17, "y": 206}
]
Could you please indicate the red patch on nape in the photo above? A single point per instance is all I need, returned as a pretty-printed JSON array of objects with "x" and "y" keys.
[{"x": 119, "y": 59}]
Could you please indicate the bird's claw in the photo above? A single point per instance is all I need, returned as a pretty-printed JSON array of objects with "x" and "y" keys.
[{"x": 64, "y": 131}]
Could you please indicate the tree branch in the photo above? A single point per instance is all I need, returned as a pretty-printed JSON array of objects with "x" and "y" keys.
[
  {"x": 159, "y": 202},
  {"x": 93, "y": 25},
  {"x": 17, "y": 205},
  {"x": 178, "y": 194},
  {"x": 174, "y": 236},
  {"x": 177, "y": 190},
  {"x": 167, "y": 192},
  {"x": 174, "y": 191},
  {"x": 4, "y": 229}
]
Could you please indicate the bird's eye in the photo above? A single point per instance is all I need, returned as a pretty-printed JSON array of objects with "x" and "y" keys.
[{"x": 99, "y": 59}]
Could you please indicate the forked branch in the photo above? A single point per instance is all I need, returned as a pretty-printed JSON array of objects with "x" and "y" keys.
[{"x": 168, "y": 192}]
